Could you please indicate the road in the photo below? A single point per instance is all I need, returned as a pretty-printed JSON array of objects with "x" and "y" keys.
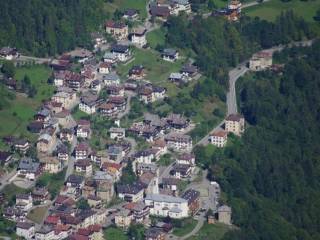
[
  {"x": 71, "y": 160},
  {"x": 23, "y": 58},
  {"x": 234, "y": 75},
  {"x": 5, "y": 180}
]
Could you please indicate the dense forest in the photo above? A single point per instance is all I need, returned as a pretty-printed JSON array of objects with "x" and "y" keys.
[
  {"x": 219, "y": 44},
  {"x": 45, "y": 27},
  {"x": 271, "y": 175}
]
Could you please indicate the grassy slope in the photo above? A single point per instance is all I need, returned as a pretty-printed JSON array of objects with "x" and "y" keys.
[
  {"x": 156, "y": 37},
  {"x": 212, "y": 232},
  {"x": 157, "y": 70},
  {"x": 125, "y": 4},
  {"x": 113, "y": 233},
  {"x": 185, "y": 229},
  {"x": 36, "y": 215},
  {"x": 22, "y": 109},
  {"x": 270, "y": 10}
]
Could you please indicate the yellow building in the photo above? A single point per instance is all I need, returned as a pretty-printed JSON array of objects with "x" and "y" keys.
[{"x": 234, "y": 123}]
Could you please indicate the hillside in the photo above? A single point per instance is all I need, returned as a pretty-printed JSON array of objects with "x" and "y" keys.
[
  {"x": 271, "y": 175},
  {"x": 44, "y": 27}
]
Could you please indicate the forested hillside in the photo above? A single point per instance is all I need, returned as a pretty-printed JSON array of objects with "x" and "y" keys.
[
  {"x": 271, "y": 176},
  {"x": 219, "y": 44},
  {"x": 45, "y": 27}
]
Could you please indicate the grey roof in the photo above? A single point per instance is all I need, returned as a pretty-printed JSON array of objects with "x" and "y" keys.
[
  {"x": 100, "y": 175},
  {"x": 165, "y": 198},
  {"x": 169, "y": 52},
  {"x": 111, "y": 77},
  {"x": 176, "y": 76},
  {"x": 110, "y": 55},
  {"x": 114, "y": 150},
  {"x": 224, "y": 208},
  {"x": 29, "y": 165}
]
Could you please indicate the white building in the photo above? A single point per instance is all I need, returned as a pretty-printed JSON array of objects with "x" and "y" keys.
[
  {"x": 117, "y": 133},
  {"x": 219, "y": 138},
  {"x": 24, "y": 202},
  {"x": 260, "y": 61},
  {"x": 179, "y": 142},
  {"x": 138, "y": 37},
  {"x": 25, "y": 230},
  {"x": 165, "y": 205},
  {"x": 234, "y": 123},
  {"x": 46, "y": 232}
]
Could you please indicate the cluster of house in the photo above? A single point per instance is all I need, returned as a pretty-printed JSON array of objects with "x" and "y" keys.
[
  {"x": 231, "y": 12},
  {"x": 234, "y": 123},
  {"x": 9, "y": 53},
  {"x": 187, "y": 73},
  {"x": 162, "y": 9}
]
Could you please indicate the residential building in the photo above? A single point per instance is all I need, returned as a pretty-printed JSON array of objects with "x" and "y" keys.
[
  {"x": 138, "y": 36},
  {"x": 111, "y": 79},
  {"x": 25, "y": 230},
  {"x": 137, "y": 72},
  {"x": 122, "y": 52},
  {"x": 118, "y": 30},
  {"x": 83, "y": 129},
  {"x": 104, "y": 68},
  {"x": 115, "y": 90},
  {"x": 51, "y": 164},
  {"x": 40, "y": 194},
  {"x": 74, "y": 184},
  {"x": 28, "y": 168},
  {"x": 179, "y": 142},
  {"x": 117, "y": 133},
  {"x": 108, "y": 110},
  {"x": 96, "y": 86},
  {"x": 83, "y": 166},
  {"x": 131, "y": 14},
  {"x": 154, "y": 233},
  {"x": 22, "y": 145},
  {"x": 131, "y": 192},
  {"x": 46, "y": 232},
  {"x": 88, "y": 103},
  {"x": 82, "y": 151},
  {"x": 182, "y": 170},
  {"x": 193, "y": 198},
  {"x": 177, "y": 122},
  {"x": 45, "y": 143},
  {"x": 8, "y": 53},
  {"x": 165, "y": 205},
  {"x": 234, "y": 123},
  {"x": 119, "y": 101},
  {"x": 24, "y": 202},
  {"x": 186, "y": 158},
  {"x": 170, "y": 55},
  {"x": 224, "y": 214},
  {"x": 5, "y": 157},
  {"x": 151, "y": 181},
  {"x": 261, "y": 61},
  {"x": 109, "y": 57},
  {"x": 219, "y": 138},
  {"x": 140, "y": 212},
  {"x": 160, "y": 12},
  {"x": 123, "y": 218},
  {"x": 180, "y": 6},
  {"x": 171, "y": 184},
  {"x": 66, "y": 135},
  {"x": 66, "y": 97}
]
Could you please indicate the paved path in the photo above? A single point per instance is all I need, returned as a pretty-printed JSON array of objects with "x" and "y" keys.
[
  {"x": 6, "y": 179},
  {"x": 234, "y": 75}
]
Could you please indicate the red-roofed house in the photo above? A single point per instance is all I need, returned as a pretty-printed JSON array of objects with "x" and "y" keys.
[{"x": 219, "y": 138}]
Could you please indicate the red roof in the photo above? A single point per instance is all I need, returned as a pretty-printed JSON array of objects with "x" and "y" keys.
[
  {"x": 52, "y": 220},
  {"x": 78, "y": 237},
  {"x": 111, "y": 165},
  {"x": 113, "y": 24},
  {"x": 220, "y": 134},
  {"x": 60, "y": 199}
]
